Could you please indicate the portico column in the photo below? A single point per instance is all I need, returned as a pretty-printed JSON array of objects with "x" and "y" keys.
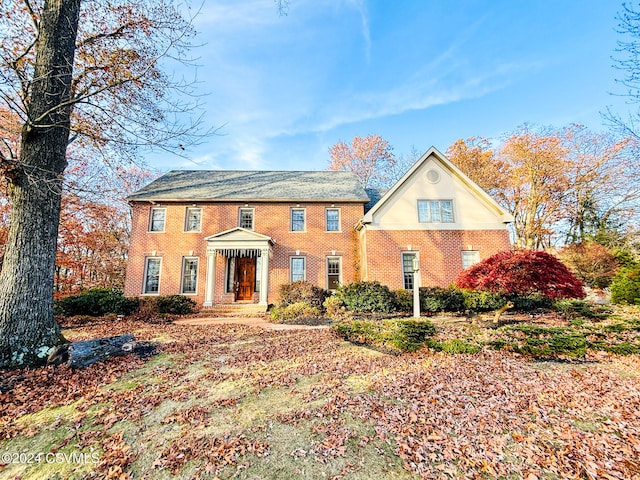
[
  {"x": 211, "y": 278},
  {"x": 264, "y": 275}
]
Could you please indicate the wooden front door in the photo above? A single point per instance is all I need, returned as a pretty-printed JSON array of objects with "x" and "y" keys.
[{"x": 245, "y": 277}]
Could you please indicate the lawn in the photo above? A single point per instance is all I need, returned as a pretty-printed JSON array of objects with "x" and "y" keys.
[{"x": 235, "y": 401}]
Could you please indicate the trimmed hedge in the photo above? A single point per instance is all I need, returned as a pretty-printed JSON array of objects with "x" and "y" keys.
[
  {"x": 625, "y": 287},
  {"x": 294, "y": 311},
  {"x": 438, "y": 299},
  {"x": 367, "y": 297},
  {"x": 96, "y": 303}
]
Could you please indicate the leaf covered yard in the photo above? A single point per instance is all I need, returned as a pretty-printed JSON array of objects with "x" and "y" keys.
[{"x": 238, "y": 401}]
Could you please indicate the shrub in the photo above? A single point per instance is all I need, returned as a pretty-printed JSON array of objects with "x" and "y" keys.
[
  {"x": 592, "y": 263},
  {"x": 175, "y": 304},
  {"x": 294, "y": 311},
  {"x": 527, "y": 303},
  {"x": 96, "y": 302},
  {"x": 403, "y": 300},
  {"x": 454, "y": 346},
  {"x": 438, "y": 299},
  {"x": 393, "y": 336},
  {"x": 522, "y": 273},
  {"x": 367, "y": 297},
  {"x": 481, "y": 301},
  {"x": 625, "y": 287},
  {"x": 333, "y": 306},
  {"x": 301, "y": 291}
]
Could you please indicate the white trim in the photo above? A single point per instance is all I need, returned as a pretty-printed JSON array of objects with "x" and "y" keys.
[
  {"x": 326, "y": 220},
  {"x": 326, "y": 263},
  {"x": 445, "y": 163},
  {"x": 144, "y": 277},
  {"x": 164, "y": 220},
  {"x": 186, "y": 220},
  {"x": 184, "y": 261},
  {"x": 304, "y": 259},
  {"x": 304, "y": 219}
]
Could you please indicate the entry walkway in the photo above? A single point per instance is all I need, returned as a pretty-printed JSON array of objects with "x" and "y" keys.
[{"x": 253, "y": 321}]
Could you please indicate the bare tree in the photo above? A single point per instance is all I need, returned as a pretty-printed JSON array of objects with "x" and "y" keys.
[{"x": 82, "y": 78}]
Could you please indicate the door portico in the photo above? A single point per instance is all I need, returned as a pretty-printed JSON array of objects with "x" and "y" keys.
[{"x": 251, "y": 252}]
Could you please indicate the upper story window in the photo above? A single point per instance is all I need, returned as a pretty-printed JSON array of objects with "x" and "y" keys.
[
  {"x": 297, "y": 219},
  {"x": 435, "y": 211},
  {"x": 156, "y": 220},
  {"x": 193, "y": 220},
  {"x": 469, "y": 258},
  {"x": 332, "y": 219},
  {"x": 245, "y": 218}
]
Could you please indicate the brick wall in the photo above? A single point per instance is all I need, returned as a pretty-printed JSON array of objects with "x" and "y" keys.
[
  {"x": 439, "y": 251},
  {"x": 271, "y": 219}
]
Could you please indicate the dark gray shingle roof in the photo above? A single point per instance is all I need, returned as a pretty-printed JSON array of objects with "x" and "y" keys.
[
  {"x": 374, "y": 194},
  {"x": 231, "y": 185}
]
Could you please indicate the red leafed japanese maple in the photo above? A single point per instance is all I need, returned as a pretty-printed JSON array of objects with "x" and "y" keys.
[{"x": 522, "y": 272}]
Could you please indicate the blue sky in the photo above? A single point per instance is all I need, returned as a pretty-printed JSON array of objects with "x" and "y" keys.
[{"x": 283, "y": 89}]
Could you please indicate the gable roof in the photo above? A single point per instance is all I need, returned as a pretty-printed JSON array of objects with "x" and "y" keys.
[
  {"x": 238, "y": 185},
  {"x": 455, "y": 171}
]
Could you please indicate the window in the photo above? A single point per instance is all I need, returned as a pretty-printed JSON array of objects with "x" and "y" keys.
[
  {"x": 156, "y": 222},
  {"x": 152, "y": 275},
  {"x": 298, "y": 269},
  {"x": 333, "y": 219},
  {"x": 435, "y": 211},
  {"x": 246, "y": 218},
  {"x": 297, "y": 219},
  {"x": 333, "y": 273},
  {"x": 469, "y": 258},
  {"x": 193, "y": 220},
  {"x": 189, "y": 274},
  {"x": 407, "y": 270}
]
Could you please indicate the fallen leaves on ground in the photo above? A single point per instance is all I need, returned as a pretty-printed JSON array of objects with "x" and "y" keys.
[{"x": 492, "y": 414}]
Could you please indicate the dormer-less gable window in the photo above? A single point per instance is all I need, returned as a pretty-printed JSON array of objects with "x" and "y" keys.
[
  {"x": 435, "y": 211},
  {"x": 156, "y": 220}
]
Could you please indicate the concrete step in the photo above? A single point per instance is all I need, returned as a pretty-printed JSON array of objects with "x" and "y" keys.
[{"x": 236, "y": 310}]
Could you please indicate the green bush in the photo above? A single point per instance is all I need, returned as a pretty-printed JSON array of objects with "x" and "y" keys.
[
  {"x": 390, "y": 335},
  {"x": 294, "y": 311},
  {"x": 625, "y": 287},
  {"x": 175, "y": 304},
  {"x": 438, "y": 299},
  {"x": 301, "y": 291},
  {"x": 454, "y": 346},
  {"x": 367, "y": 297},
  {"x": 482, "y": 301},
  {"x": 528, "y": 303},
  {"x": 403, "y": 300},
  {"x": 96, "y": 303},
  {"x": 571, "y": 345}
]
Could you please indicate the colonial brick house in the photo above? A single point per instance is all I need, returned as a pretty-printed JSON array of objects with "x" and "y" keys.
[{"x": 235, "y": 236}]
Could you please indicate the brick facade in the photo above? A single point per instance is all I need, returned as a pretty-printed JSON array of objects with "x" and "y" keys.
[
  {"x": 439, "y": 253},
  {"x": 270, "y": 219}
]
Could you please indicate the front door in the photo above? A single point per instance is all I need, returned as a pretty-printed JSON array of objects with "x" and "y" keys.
[{"x": 245, "y": 277}]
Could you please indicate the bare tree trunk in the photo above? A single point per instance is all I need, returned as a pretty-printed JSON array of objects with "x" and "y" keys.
[{"x": 28, "y": 331}]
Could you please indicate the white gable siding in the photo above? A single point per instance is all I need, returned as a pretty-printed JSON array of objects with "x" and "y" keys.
[{"x": 400, "y": 210}]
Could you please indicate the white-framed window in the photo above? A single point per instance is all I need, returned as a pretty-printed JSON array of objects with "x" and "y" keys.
[
  {"x": 298, "y": 269},
  {"x": 152, "y": 275},
  {"x": 332, "y": 217},
  {"x": 189, "y": 275},
  {"x": 407, "y": 270},
  {"x": 193, "y": 220},
  {"x": 245, "y": 218},
  {"x": 297, "y": 219},
  {"x": 435, "y": 211},
  {"x": 334, "y": 272},
  {"x": 156, "y": 219},
  {"x": 469, "y": 258}
]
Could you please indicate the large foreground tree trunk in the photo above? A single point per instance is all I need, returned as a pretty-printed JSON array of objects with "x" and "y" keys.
[{"x": 28, "y": 331}]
